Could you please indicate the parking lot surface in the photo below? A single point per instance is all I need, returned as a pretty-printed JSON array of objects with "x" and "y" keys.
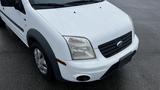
[{"x": 17, "y": 71}]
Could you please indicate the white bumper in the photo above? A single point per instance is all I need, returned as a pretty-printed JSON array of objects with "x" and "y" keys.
[{"x": 95, "y": 68}]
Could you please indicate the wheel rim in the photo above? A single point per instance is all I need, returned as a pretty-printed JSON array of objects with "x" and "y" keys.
[{"x": 40, "y": 61}]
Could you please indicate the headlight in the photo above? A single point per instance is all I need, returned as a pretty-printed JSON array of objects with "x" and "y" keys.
[{"x": 80, "y": 48}]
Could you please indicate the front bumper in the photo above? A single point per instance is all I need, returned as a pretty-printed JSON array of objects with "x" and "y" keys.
[
  {"x": 124, "y": 60},
  {"x": 96, "y": 69}
]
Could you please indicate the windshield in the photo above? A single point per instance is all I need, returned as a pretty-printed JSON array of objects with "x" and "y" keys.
[{"x": 60, "y": 3}]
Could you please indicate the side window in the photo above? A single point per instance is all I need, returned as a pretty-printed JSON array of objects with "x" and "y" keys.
[{"x": 19, "y": 6}]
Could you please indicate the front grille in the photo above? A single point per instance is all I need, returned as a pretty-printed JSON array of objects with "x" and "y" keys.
[{"x": 115, "y": 46}]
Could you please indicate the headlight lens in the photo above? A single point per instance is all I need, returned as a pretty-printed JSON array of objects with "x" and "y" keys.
[{"x": 80, "y": 48}]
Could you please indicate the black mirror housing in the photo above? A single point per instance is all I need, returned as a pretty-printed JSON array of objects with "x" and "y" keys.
[{"x": 8, "y": 3}]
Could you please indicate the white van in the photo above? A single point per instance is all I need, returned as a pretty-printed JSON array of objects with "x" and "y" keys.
[{"x": 72, "y": 40}]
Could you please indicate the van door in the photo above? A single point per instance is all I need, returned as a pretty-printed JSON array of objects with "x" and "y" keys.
[{"x": 16, "y": 18}]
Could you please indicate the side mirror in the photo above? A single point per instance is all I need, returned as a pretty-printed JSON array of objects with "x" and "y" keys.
[{"x": 7, "y": 3}]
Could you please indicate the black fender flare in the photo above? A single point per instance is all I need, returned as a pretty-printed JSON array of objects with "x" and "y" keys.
[{"x": 38, "y": 37}]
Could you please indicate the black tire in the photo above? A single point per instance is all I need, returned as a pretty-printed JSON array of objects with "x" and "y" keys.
[
  {"x": 49, "y": 75},
  {"x": 1, "y": 22}
]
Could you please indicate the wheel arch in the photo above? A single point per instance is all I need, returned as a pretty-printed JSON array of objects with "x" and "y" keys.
[{"x": 34, "y": 35}]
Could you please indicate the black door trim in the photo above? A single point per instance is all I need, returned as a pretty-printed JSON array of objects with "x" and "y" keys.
[{"x": 12, "y": 21}]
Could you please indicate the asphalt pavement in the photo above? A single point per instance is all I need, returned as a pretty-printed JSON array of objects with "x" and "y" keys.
[{"x": 17, "y": 71}]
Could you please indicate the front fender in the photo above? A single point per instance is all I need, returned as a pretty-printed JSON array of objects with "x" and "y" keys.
[{"x": 38, "y": 37}]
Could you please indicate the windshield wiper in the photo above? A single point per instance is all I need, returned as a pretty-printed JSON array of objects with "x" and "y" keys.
[
  {"x": 50, "y": 4},
  {"x": 82, "y": 1}
]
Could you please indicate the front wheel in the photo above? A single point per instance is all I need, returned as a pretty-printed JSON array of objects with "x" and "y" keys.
[{"x": 41, "y": 61}]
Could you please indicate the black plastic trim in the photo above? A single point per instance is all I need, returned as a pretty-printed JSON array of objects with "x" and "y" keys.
[
  {"x": 12, "y": 21},
  {"x": 111, "y": 48},
  {"x": 32, "y": 33}
]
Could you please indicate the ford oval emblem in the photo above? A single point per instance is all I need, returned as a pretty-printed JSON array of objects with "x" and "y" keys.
[{"x": 120, "y": 43}]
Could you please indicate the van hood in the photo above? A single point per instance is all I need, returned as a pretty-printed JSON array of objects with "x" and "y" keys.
[{"x": 99, "y": 22}]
